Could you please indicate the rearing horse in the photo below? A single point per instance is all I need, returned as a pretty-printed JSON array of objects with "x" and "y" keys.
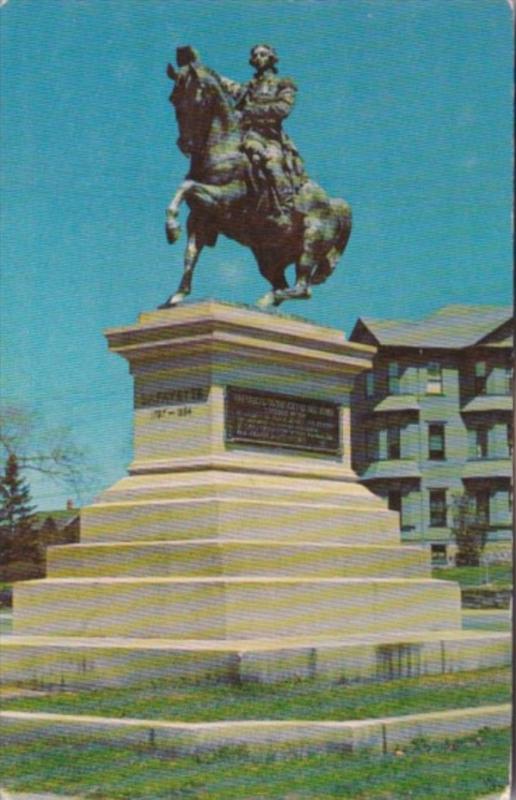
[{"x": 218, "y": 193}]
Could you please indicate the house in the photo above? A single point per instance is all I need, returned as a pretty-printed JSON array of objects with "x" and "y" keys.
[
  {"x": 434, "y": 417},
  {"x": 60, "y": 526}
]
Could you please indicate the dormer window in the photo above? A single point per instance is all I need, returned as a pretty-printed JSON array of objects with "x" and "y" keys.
[{"x": 434, "y": 378}]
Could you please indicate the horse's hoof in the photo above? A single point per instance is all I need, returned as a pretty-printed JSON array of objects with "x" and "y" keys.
[
  {"x": 173, "y": 300},
  {"x": 267, "y": 300},
  {"x": 173, "y": 231},
  {"x": 294, "y": 293},
  {"x": 298, "y": 293}
]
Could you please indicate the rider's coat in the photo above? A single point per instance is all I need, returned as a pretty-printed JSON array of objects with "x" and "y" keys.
[{"x": 264, "y": 102}]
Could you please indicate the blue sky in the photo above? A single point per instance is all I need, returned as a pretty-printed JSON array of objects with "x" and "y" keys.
[{"x": 404, "y": 109}]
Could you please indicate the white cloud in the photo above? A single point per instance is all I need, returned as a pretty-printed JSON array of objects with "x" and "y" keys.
[{"x": 233, "y": 271}]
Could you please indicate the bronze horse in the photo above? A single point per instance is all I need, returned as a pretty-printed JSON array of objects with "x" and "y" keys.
[{"x": 217, "y": 190}]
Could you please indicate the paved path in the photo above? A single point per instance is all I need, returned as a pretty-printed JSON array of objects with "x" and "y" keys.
[
  {"x": 4, "y": 795},
  {"x": 7, "y": 795},
  {"x": 488, "y": 619}
]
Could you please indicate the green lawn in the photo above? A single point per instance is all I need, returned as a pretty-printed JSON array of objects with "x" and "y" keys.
[
  {"x": 190, "y": 702},
  {"x": 5, "y": 595},
  {"x": 499, "y": 575},
  {"x": 464, "y": 769}
]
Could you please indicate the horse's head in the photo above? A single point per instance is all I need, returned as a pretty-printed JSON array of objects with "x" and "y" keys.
[{"x": 198, "y": 99}]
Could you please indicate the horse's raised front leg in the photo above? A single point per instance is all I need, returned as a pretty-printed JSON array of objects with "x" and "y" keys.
[
  {"x": 172, "y": 226},
  {"x": 193, "y": 251}
]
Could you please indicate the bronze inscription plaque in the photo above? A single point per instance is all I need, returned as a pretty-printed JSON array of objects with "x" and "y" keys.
[{"x": 280, "y": 420}]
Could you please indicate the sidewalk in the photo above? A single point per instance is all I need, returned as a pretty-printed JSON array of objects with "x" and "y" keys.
[{"x": 7, "y": 795}]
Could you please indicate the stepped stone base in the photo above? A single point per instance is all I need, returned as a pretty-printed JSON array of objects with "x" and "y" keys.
[
  {"x": 269, "y": 503},
  {"x": 216, "y": 557},
  {"x": 239, "y": 519},
  {"x": 241, "y": 545},
  {"x": 233, "y": 607},
  {"x": 257, "y": 737},
  {"x": 94, "y": 662}
]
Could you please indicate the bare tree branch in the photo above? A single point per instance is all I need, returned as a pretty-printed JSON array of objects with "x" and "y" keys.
[{"x": 50, "y": 452}]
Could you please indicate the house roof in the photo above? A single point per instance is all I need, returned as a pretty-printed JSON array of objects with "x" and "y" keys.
[
  {"x": 451, "y": 327},
  {"x": 489, "y": 402},
  {"x": 397, "y": 468},
  {"x": 398, "y": 402},
  {"x": 484, "y": 468},
  {"x": 61, "y": 517}
]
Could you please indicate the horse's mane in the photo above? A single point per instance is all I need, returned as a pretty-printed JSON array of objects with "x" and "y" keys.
[{"x": 225, "y": 96}]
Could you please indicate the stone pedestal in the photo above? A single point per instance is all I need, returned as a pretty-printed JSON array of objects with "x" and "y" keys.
[{"x": 241, "y": 543}]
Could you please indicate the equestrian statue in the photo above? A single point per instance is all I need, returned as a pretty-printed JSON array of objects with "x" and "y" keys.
[{"x": 247, "y": 179}]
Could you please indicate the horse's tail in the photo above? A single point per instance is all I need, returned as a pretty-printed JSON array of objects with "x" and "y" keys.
[
  {"x": 327, "y": 264},
  {"x": 344, "y": 218}
]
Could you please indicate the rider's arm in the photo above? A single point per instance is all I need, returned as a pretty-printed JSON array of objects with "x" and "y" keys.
[
  {"x": 275, "y": 108},
  {"x": 232, "y": 87}
]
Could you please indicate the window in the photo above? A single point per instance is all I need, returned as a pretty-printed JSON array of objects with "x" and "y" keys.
[
  {"x": 480, "y": 377},
  {"x": 436, "y": 450},
  {"x": 482, "y": 443},
  {"x": 510, "y": 437},
  {"x": 393, "y": 442},
  {"x": 508, "y": 380},
  {"x": 394, "y": 502},
  {"x": 369, "y": 384},
  {"x": 393, "y": 377},
  {"x": 437, "y": 508},
  {"x": 434, "y": 378},
  {"x": 482, "y": 506},
  {"x": 371, "y": 442},
  {"x": 438, "y": 552}
]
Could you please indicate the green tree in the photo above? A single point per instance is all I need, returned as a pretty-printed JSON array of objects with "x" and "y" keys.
[
  {"x": 20, "y": 554},
  {"x": 468, "y": 530}
]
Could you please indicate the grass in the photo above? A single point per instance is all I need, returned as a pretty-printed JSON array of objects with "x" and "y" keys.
[
  {"x": 6, "y": 595},
  {"x": 499, "y": 575},
  {"x": 189, "y": 702},
  {"x": 464, "y": 769}
]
